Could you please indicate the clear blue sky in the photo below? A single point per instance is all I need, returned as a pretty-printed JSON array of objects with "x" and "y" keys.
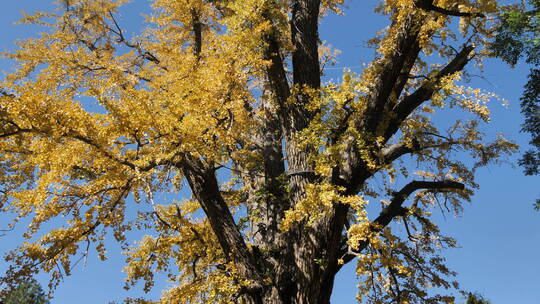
[{"x": 499, "y": 233}]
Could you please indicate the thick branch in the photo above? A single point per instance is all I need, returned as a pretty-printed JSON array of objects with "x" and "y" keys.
[
  {"x": 305, "y": 63},
  {"x": 6, "y": 94},
  {"x": 429, "y": 6},
  {"x": 395, "y": 208},
  {"x": 264, "y": 184},
  {"x": 205, "y": 188},
  {"x": 386, "y": 90},
  {"x": 395, "y": 151},
  {"x": 197, "y": 32},
  {"x": 353, "y": 172},
  {"x": 305, "y": 38},
  {"x": 276, "y": 73},
  {"x": 403, "y": 109},
  {"x": 389, "y": 85},
  {"x": 17, "y": 131}
]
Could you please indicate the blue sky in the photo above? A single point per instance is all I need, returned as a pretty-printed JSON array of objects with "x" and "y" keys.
[{"x": 499, "y": 232}]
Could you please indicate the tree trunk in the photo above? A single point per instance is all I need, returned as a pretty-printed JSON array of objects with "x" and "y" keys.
[{"x": 303, "y": 284}]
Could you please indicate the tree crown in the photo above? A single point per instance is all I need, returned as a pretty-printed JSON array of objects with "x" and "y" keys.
[{"x": 94, "y": 122}]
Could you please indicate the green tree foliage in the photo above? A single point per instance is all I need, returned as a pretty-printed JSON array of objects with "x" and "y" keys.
[
  {"x": 26, "y": 293},
  {"x": 519, "y": 37},
  {"x": 475, "y": 298}
]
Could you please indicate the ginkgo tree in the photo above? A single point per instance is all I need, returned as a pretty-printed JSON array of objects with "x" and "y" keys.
[{"x": 226, "y": 100}]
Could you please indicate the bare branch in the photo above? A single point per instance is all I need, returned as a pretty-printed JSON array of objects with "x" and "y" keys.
[
  {"x": 395, "y": 208},
  {"x": 121, "y": 39}
]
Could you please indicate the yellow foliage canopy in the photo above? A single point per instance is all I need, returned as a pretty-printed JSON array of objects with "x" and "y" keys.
[{"x": 92, "y": 118}]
